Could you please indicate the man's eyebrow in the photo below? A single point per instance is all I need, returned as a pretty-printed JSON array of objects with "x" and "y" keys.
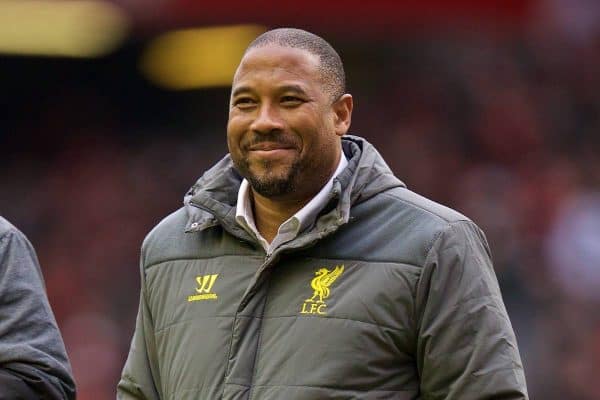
[
  {"x": 284, "y": 88},
  {"x": 241, "y": 89},
  {"x": 292, "y": 88}
]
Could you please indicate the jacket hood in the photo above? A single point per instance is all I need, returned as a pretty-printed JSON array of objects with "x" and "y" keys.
[
  {"x": 367, "y": 173},
  {"x": 212, "y": 199}
]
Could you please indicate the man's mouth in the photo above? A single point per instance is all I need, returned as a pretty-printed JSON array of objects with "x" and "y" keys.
[
  {"x": 271, "y": 151},
  {"x": 270, "y": 146}
]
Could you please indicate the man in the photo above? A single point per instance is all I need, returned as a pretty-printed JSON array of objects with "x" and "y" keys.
[
  {"x": 33, "y": 361},
  {"x": 301, "y": 268}
]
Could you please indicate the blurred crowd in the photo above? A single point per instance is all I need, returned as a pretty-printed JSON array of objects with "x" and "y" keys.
[{"x": 504, "y": 129}]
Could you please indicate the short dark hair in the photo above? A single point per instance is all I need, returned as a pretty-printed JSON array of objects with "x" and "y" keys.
[{"x": 331, "y": 67}]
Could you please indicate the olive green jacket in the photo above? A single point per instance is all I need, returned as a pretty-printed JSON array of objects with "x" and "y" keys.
[{"x": 388, "y": 296}]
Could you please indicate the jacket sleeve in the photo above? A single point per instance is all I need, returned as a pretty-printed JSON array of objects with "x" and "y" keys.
[
  {"x": 33, "y": 360},
  {"x": 140, "y": 379},
  {"x": 466, "y": 347}
]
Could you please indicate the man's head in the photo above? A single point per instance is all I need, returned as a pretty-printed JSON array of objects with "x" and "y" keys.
[
  {"x": 287, "y": 114},
  {"x": 330, "y": 66}
]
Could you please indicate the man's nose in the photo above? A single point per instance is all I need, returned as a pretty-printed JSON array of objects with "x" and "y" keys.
[{"x": 267, "y": 120}]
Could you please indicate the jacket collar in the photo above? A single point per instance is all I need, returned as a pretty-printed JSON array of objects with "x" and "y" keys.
[{"x": 212, "y": 199}]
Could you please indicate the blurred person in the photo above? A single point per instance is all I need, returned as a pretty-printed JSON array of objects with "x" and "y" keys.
[
  {"x": 571, "y": 246},
  {"x": 300, "y": 267},
  {"x": 33, "y": 360}
]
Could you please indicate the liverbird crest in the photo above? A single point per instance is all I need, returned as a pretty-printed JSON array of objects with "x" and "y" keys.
[{"x": 321, "y": 282}]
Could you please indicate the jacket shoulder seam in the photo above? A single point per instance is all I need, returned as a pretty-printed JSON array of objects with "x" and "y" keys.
[
  {"x": 374, "y": 261},
  {"x": 448, "y": 221},
  {"x": 154, "y": 264},
  {"x": 438, "y": 235}
]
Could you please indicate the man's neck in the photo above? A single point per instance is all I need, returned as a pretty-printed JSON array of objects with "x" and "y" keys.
[{"x": 269, "y": 214}]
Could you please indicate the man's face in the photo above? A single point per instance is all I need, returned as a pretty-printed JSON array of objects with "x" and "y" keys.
[{"x": 283, "y": 131}]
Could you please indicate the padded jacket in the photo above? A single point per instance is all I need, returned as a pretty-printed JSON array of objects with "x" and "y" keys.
[
  {"x": 33, "y": 360},
  {"x": 387, "y": 296}
]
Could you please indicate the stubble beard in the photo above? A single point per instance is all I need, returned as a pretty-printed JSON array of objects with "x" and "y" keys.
[{"x": 269, "y": 185}]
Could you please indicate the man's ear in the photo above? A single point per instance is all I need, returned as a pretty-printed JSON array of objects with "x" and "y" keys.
[{"x": 342, "y": 109}]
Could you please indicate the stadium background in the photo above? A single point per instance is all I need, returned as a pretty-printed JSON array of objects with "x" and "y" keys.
[{"x": 493, "y": 109}]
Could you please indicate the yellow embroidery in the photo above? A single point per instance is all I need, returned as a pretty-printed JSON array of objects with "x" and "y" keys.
[
  {"x": 205, "y": 284},
  {"x": 320, "y": 284}
]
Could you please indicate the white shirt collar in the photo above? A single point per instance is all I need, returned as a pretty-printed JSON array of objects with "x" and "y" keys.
[{"x": 305, "y": 217}]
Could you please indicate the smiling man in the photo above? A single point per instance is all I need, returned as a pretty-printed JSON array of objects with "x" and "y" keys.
[{"x": 300, "y": 267}]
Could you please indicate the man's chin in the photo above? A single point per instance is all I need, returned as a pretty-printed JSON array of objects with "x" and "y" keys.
[
  {"x": 271, "y": 187},
  {"x": 271, "y": 180}
]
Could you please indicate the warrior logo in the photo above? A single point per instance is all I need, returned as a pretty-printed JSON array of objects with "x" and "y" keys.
[
  {"x": 204, "y": 289},
  {"x": 320, "y": 284}
]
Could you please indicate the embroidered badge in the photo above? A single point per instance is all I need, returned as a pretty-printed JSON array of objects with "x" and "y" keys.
[
  {"x": 320, "y": 285},
  {"x": 204, "y": 289}
]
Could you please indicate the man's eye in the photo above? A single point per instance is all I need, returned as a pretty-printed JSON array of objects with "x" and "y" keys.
[
  {"x": 291, "y": 100},
  {"x": 243, "y": 102}
]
